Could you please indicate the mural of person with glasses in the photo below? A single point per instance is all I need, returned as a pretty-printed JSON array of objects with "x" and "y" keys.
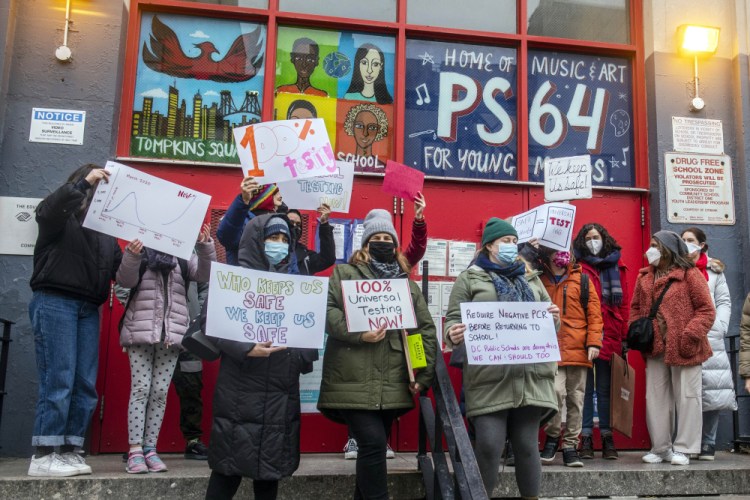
[
  {"x": 305, "y": 57},
  {"x": 368, "y": 79}
]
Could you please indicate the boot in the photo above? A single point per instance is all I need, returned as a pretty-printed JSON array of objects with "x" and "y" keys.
[
  {"x": 587, "y": 447},
  {"x": 550, "y": 449},
  {"x": 608, "y": 447}
]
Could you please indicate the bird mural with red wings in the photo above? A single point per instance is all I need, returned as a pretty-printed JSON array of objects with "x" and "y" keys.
[{"x": 239, "y": 64}]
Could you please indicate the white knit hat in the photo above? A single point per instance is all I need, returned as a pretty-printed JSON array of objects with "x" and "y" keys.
[{"x": 378, "y": 221}]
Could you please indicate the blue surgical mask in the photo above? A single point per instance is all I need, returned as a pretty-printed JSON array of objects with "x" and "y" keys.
[
  {"x": 276, "y": 251},
  {"x": 507, "y": 253}
]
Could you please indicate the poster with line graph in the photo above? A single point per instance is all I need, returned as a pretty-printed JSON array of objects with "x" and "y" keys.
[{"x": 163, "y": 215}]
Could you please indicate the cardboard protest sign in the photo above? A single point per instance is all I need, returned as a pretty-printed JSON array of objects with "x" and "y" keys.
[
  {"x": 257, "y": 306},
  {"x": 163, "y": 215},
  {"x": 371, "y": 304},
  {"x": 333, "y": 190},
  {"x": 567, "y": 178},
  {"x": 402, "y": 181},
  {"x": 285, "y": 150},
  {"x": 551, "y": 224},
  {"x": 509, "y": 333}
]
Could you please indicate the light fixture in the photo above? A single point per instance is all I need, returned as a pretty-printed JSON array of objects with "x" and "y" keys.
[
  {"x": 63, "y": 52},
  {"x": 697, "y": 41}
]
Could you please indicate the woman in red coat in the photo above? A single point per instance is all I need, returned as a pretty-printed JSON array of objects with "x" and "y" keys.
[{"x": 599, "y": 256}]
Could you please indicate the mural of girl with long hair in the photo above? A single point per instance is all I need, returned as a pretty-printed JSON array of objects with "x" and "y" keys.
[{"x": 368, "y": 78}]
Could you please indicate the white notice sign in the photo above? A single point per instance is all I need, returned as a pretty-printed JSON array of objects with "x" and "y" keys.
[
  {"x": 57, "y": 126},
  {"x": 460, "y": 255},
  {"x": 310, "y": 193},
  {"x": 699, "y": 189},
  {"x": 697, "y": 135},
  {"x": 437, "y": 256},
  {"x": 163, "y": 215},
  {"x": 567, "y": 178},
  {"x": 19, "y": 225},
  {"x": 552, "y": 224},
  {"x": 509, "y": 333},
  {"x": 371, "y": 304}
]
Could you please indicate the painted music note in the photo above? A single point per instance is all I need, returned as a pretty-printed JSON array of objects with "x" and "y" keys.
[
  {"x": 420, "y": 99},
  {"x": 625, "y": 150}
]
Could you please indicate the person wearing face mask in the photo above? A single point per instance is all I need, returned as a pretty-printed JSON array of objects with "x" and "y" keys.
[
  {"x": 599, "y": 256},
  {"x": 503, "y": 400},
  {"x": 256, "y": 407},
  {"x": 309, "y": 261},
  {"x": 716, "y": 373},
  {"x": 365, "y": 383},
  {"x": 580, "y": 340},
  {"x": 673, "y": 366}
]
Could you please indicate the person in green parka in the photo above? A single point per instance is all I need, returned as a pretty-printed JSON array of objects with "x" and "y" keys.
[
  {"x": 503, "y": 400},
  {"x": 365, "y": 382}
]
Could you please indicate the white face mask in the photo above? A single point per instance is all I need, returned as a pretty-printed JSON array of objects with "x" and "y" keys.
[
  {"x": 594, "y": 246},
  {"x": 653, "y": 255},
  {"x": 692, "y": 247}
]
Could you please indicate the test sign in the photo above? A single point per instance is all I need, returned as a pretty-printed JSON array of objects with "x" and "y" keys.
[
  {"x": 509, "y": 333},
  {"x": 551, "y": 224},
  {"x": 372, "y": 304},
  {"x": 257, "y": 306},
  {"x": 334, "y": 190}
]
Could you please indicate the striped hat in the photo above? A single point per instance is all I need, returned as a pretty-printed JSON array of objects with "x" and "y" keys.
[{"x": 263, "y": 200}]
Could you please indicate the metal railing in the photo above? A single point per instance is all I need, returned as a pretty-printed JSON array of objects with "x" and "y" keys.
[
  {"x": 738, "y": 441},
  {"x": 444, "y": 421},
  {"x": 5, "y": 340}
]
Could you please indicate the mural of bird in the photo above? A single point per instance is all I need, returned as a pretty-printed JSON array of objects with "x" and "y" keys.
[{"x": 239, "y": 64}]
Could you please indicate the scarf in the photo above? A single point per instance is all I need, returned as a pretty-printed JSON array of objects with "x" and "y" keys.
[
  {"x": 609, "y": 275},
  {"x": 386, "y": 270},
  {"x": 159, "y": 261},
  {"x": 508, "y": 286},
  {"x": 702, "y": 263}
]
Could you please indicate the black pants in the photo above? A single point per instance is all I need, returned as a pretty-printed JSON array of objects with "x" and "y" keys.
[
  {"x": 370, "y": 429},
  {"x": 189, "y": 385},
  {"x": 221, "y": 487}
]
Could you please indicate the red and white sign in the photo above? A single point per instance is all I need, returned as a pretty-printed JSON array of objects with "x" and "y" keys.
[
  {"x": 371, "y": 304},
  {"x": 699, "y": 189}
]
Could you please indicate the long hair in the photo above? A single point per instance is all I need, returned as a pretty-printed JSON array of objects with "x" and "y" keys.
[
  {"x": 609, "y": 244},
  {"x": 673, "y": 260},
  {"x": 362, "y": 256},
  {"x": 382, "y": 96},
  {"x": 78, "y": 175},
  {"x": 699, "y": 235}
]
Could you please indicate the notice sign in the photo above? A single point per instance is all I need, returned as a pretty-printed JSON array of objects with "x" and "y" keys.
[
  {"x": 697, "y": 135},
  {"x": 19, "y": 225},
  {"x": 334, "y": 190},
  {"x": 567, "y": 178},
  {"x": 551, "y": 224},
  {"x": 509, "y": 333},
  {"x": 57, "y": 126},
  {"x": 258, "y": 306},
  {"x": 699, "y": 189},
  {"x": 372, "y": 304}
]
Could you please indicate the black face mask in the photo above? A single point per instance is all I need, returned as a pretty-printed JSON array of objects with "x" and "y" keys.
[
  {"x": 297, "y": 232},
  {"x": 382, "y": 251}
]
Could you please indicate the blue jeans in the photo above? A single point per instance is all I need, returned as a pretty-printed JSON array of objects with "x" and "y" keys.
[
  {"x": 66, "y": 337},
  {"x": 710, "y": 427},
  {"x": 601, "y": 375}
]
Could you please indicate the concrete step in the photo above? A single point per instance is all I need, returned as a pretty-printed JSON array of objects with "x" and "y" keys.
[{"x": 329, "y": 476}]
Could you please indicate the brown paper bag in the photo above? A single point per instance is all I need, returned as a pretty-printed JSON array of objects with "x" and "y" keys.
[{"x": 622, "y": 395}]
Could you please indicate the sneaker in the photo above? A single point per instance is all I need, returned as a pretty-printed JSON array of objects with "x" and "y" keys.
[
  {"x": 657, "y": 458},
  {"x": 587, "y": 447},
  {"x": 510, "y": 458},
  {"x": 571, "y": 458},
  {"x": 550, "y": 449},
  {"x": 77, "y": 461},
  {"x": 389, "y": 453},
  {"x": 154, "y": 463},
  {"x": 195, "y": 450},
  {"x": 680, "y": 459},
  {"x": 51, "y": 465},
  {"x": 136, "y": 463},
  {"x": 707, "y": 452},
  {"x": 608, "y": 447},
  {"x": 350, "y": 449}
]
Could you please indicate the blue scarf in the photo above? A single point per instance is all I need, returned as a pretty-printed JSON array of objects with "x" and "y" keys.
[
  {"x": 510, "y": 281},
  {"x": 609, "y": 275}
]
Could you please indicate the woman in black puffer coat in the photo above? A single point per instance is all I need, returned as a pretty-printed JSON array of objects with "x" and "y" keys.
[{"x": 256, "y": 426}]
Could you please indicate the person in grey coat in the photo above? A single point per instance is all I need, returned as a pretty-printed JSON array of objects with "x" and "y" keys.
[{"x": 718, "y": 384}]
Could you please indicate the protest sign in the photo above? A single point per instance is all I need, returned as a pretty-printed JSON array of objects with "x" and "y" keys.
[
  {"x": 416, "y": 351},
  {"x": 567, "y": 178},
  {"x": 333, "y": 190},
  {"x": 551, "y": 224},
  {"x": 402, "y": 181},
  {"x": 257, "y": 306},
  {"x": 509, "y": 333},
  {"x": 285, "y": 150},
  {"x": 163, "y": 215},
  {"x": 371, "y": 304}
]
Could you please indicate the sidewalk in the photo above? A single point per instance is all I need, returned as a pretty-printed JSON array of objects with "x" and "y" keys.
[{"x": 328, "y": 476}]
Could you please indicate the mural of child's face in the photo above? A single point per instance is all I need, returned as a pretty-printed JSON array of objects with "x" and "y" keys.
[
  {"x": 301, "y": 114},
  {"x": 366, "y": 128},
  {"x": 370, "y": 66},
  {"x": 305, "y": 59}
]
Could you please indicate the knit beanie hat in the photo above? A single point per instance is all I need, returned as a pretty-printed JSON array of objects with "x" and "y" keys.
[
  {"x": 275, "y": 225},
  {"x": 263, "y": 200},
  {"x": 672, "y": 241},
  {"x": 497, "y": 228},
  {"x": 378, "y": 221}
]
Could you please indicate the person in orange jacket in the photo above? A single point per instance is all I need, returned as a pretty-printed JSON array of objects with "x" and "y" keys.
[{"x": 579, "y": 339}]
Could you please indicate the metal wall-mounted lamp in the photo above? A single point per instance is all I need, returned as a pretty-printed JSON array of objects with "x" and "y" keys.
[
  {"x": 697, "y": 41},
  {"x": 63, "y": 52}
]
